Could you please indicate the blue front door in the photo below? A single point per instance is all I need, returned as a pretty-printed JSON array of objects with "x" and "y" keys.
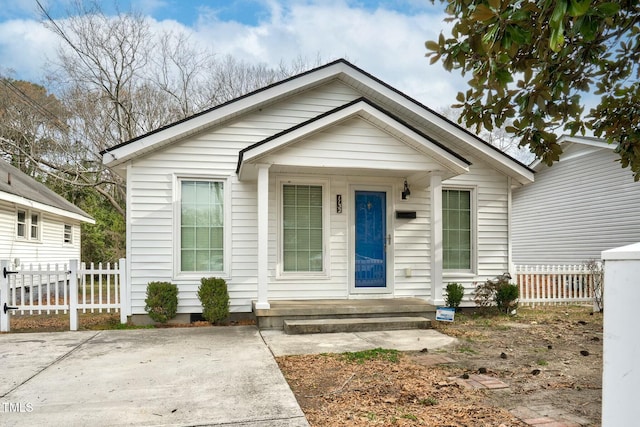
[{"x": 370, "y": 238}]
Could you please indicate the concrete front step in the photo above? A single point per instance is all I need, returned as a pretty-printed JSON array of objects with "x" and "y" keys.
[
  {"x": 281, "y": 310},
  {"x": 354, "y": 324}
]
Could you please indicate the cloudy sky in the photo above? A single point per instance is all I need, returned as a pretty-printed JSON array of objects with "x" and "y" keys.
[{"x": 385, "y": 38}]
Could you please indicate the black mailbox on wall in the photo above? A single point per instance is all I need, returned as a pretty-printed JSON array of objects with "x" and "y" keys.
[{"x": 406, "y": 214}]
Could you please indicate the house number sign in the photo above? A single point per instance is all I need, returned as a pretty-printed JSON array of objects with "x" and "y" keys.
[{"x": 339, "y": 203}]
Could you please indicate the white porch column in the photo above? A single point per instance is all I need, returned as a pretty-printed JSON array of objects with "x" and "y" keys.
[
  {"x": 436, "y": 239},
  {"x": 263, "y": 237}
]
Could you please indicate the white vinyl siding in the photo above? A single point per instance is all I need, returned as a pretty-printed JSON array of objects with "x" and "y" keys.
[
  {"x": 575, "y": 209},
  {"x": 302, "y": 228},
  {"x": 151, "y": 180},
  {"x": 48, "y": 249},
  {"x": 349, "y": 154},
  {"x": 201, "y": 226},
  {"x": 353, "y": 144}
]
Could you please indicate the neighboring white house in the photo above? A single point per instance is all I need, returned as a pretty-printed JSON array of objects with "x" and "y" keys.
[
  {"x": 577, "y": 208},
  {"x": 328, "y": 185},
  {"x": 37, "y": 226}
]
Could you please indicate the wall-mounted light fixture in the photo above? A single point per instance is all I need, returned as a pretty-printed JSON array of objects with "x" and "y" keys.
[{"x": 406, "y": 192}]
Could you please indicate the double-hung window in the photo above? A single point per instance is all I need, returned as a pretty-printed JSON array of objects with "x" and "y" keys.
[
  {"x": 21, "y": 229},
  {"x": 68, "y": 234},
  {"x": 302, "y": 228},
  {"x": 201, "y": 225},
  {"x": 457, "y": 232},
  {"x": 35, "y": 227},
  {"x": 28, "y": 225}
]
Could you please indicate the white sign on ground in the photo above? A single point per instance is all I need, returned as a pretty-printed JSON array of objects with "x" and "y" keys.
[{"x": 445, "y": 314}]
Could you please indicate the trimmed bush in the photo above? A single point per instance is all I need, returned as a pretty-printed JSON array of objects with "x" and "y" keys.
[
  {"x": 455, "y": 293},
  {"x": 507, "y": 297},
  {"x": 162, "y": 301},
  {"x": 498, "y": 292},
  {"x": 214, "y": 297}
]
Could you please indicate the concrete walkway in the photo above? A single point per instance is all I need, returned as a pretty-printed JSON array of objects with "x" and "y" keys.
[
  {"x": 189, "y": 376},
  {"x": 282, "y": 344},
  {"x": 175, "y": 376}
]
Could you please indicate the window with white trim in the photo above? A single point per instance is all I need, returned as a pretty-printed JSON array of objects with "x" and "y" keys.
[
  {"x": 28, "y": 225},
  {"x": 34, "y": 227},
  {"x": 457, "y": 233},
  {"x": 201, "y": 225},
  {"x": 302, "y": 228},
  {"x": 68, "y": 234},
  {"x": 21, "y": 228}
]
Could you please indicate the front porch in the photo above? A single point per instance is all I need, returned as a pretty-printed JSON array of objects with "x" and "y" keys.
[{"x": 346, "y": 315}]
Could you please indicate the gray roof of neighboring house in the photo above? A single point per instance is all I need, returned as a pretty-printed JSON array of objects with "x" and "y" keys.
[{"x": 14, "y": 181}]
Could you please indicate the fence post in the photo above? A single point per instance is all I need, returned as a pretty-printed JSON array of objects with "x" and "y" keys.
[
  {"x": 73, "y": 295},
  {"x": 125, "y": 309},
  {"x": 5, "y": 325}
]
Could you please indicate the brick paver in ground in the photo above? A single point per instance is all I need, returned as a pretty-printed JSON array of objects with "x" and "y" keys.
[
  {"x": 548, "y": 416},
  {"x": 478, "y": 381}
]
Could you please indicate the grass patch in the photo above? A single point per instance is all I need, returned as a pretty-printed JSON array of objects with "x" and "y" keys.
[
  {"x": 465, "y": 349},
  {"x": 410, "y": 417},
  {"x": 114, "y": 324},
  {"x": 373, "y": 354},
  {"x": 542, "y": 362},
  {"x": 429, "y": 401}
]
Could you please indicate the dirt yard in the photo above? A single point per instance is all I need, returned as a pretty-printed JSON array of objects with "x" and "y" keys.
[{"x": 548, "y": 363}]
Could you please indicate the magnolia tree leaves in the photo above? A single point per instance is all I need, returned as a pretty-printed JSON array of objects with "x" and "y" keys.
[{"x": 548, "y": 67}]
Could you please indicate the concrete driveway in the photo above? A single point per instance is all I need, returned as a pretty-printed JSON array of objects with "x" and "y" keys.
[{"x": 176, "y": 376}]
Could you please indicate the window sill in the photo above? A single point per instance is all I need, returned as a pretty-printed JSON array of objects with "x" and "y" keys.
[
  {"x": 302, "y": 276},
  {"x": 190, "y": 276},
  {"x": 464, "y": 274}
]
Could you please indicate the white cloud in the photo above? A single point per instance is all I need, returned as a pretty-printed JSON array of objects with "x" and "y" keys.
[
  {"x": 385, "y": 43},
  {"x": 25, "y": 46}
]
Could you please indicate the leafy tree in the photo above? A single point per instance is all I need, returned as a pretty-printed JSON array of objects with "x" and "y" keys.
[
  {"x": 31, "y": 120},
  {"x": 541, "y": 62},
  {"x": 118, "y": 79}
]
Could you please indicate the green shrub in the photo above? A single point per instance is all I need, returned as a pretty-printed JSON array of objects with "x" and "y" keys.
[
  {"x": 214, "y": 297},
  {"x": 507, "y": 297},
  {"x": 498, "y": 292},
  {"x": 455, "y": 292},
  {"x": 162, "y": 301}
]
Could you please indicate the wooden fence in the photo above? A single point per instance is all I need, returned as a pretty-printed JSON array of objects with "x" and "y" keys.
[
  {"x": 62, "y": 288},
  {"x": 556, "y": 284}
]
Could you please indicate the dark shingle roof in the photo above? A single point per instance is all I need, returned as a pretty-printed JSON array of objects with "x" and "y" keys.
[{"x": 14, "y": 181}]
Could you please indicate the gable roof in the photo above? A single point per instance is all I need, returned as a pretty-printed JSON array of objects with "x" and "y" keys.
[
  {"x": 374, "y": 89},
  {"x": 361, "y": 107},
  {"x": 18, "y": 187}
]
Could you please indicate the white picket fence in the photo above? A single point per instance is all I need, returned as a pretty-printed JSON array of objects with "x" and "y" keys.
[
  {"x": 554, "y": 284},
  {"x": 62, "y": 289}
]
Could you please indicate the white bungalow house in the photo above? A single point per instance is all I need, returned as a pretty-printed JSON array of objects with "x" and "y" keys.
[
  {"x": 328, "y": 185},
  {"x": 577, "y": 208},
  {"x": 37, "y": 226}
]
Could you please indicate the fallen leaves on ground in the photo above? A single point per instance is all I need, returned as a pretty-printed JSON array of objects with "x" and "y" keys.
[
  {"x": 537, "y": 353},
  {"x": 333, "y": 391}
]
